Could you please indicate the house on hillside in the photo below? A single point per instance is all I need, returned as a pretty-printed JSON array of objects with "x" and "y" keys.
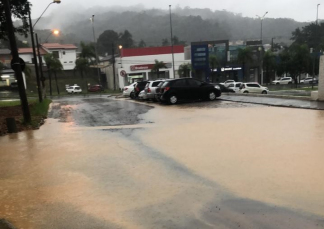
[
  {"x": 27, "y": 55},
  {"x": 66, "y": 53}
]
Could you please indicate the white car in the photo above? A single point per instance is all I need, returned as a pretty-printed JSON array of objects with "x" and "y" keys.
[
  {"x": 253, "y": 88},
  {"x": 235, "y": 86},
  {"x": 307, "y": 80},
  {"x": 74, "y": 89},
  {"x": 128, "y": 89},
  {"x": 228, "y": 82},
  {"x": 283, "y": 80}
]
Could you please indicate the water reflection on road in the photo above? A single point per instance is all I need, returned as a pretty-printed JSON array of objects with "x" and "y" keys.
[{"x": 204, "y": 165}]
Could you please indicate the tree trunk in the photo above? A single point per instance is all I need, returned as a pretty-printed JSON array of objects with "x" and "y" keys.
[
  {"x": 57, "y": 88},
  {"x": 50, "y": 81}
]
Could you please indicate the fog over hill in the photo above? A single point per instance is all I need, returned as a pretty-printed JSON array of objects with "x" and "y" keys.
[{"x": 153, "y": 25}]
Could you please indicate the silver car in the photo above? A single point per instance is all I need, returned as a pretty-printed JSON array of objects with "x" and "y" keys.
[{"x": 150, "y": 89}]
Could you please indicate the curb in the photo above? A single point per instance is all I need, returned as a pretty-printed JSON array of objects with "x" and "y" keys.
[{"x": 307, "y": 98}]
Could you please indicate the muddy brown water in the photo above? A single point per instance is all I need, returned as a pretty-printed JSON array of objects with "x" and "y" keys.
[{"x": 220, "y": 165}]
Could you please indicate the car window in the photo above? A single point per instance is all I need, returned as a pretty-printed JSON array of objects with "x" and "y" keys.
[
  {"x": 165, "y": 84},
  {"x": 77, "y": 88},
  {"x": 70, "y": 88},
  {"x": 238, "y": 85},
  {"x": 179, "y": 83},
  {"x": 194, "y": 83},
  {"x": 156, "y": 83},
  {"x": 231, "y": 85}
]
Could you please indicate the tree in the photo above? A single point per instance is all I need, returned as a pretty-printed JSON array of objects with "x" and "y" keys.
[
  {"x": 19, "y": 9},
  {"x": 27, "y": 71},
  {"x": 213, "y": 64},
  {"x": 269, "y": 64},
  {"x": 244, "y": 56},
  {"x": 141, "y": 44},
  {"x": 165, "y": 42},
  {"x": 184, "y": 70},
  {"x": 176, "y": 41},
  {"x": 82, "y": 65},
  {"x": 300, "y": 59},
  {"x": 53, "y": 66},
  {"x": 87, "y": 51},
  {"x": 126, "y": 39},
  {"x": 284, "y": 63},
  {"x": 108, "y": 40},
  {"x": 157, "y": 66}
]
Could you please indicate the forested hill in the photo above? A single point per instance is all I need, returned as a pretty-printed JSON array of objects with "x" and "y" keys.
[{"x": 153, "y": 25}]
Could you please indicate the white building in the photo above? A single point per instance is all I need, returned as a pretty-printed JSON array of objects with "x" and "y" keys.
[
  {"x": 66, "y": 53},
  {"x": 137, "y": 63},
  {"x": 27, "y": 55}
]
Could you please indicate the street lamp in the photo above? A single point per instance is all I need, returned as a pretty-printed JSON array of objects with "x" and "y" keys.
[
  {"x": 121, "y": 56},
  {"x": 95, "y": 46},
  {"x": 317, "y": 14},
  {"x": 55, "y": 32},
  {"x": 261, "y": 54},
  {"x": 172, "y": 43}
]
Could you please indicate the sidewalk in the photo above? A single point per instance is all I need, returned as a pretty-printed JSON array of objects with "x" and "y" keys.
[{"x": 280, "y": 102}]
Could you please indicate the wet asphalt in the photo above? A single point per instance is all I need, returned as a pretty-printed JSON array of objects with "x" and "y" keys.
[{"x": 96, "y": 163}]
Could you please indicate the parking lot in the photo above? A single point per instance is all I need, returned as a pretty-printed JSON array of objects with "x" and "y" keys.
[{"x": 101, "y": 162}]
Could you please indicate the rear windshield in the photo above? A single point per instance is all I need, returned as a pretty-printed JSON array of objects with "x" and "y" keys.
[
  {"x": 156, "y": 83},
  {"x": 165, "y": 84},
  {"x": 77, "y": 88}
]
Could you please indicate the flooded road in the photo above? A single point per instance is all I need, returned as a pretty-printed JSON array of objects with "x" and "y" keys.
[{"x": 105, "y": 163}]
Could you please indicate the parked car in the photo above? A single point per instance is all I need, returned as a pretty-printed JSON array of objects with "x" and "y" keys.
[
  {"x": 253, "y": 88},
  {"x": 95, "y": 88},
  {"x": 150, "y": 89},
  {"x": 309, "y": 80},
  {"x": 142, "y": 95},
  {"x": 227, "y": 82},
  {"x": 175, "y": 90},
  {"x": 74, "y": 89},
  {"x": 127, "y": 90},
  {"x": 222, "y": 88},
  {"x": 283, "y": 80},
  {"x": 234, "y": 86},
  {"x": 139, "y": 86}
]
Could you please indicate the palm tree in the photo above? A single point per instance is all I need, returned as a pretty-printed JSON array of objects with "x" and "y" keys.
[
  {"x": 244, "y": 56},
  {"x": 184, "y": 70},
  {"x": 157, "y": 66},
  {"x": 87, "y": 51},
  {"x": 82, "y": 65},
  {"x": 49, "y": 59},
  {"x": 213, "y": 64},
  {"x": 56, "y": 67},
  {"x": 269, "y": 63}
]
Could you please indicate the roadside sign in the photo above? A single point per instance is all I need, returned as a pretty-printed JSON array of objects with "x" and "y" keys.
[
  {"x": 123, "y": 73},
  {"x": 21, "y": 62}
]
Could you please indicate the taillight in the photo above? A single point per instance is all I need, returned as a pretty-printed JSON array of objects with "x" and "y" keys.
[
  {"x": 149, "y": 90},
  {"x": 126, "y": 88},
  {"x": 167, "y": 88}
]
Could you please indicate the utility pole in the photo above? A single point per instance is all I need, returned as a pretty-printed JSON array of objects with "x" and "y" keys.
[
  {"x": 113, "y": 59},
  {"x": 40, "y": 97},
  {"x": 15, "y": 56},
  {"x": 42, "y": 78},
  {"x": 172, "y": 43}
]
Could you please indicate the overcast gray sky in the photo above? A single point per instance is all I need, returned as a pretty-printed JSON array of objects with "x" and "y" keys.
[{"x": 300, "y": 10}]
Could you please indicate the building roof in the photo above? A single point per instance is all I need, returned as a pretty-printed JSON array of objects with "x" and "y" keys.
[
  {"x": 59, "y": 46},
  {"x": 30, "y": 51},
  {"x": 151, "y": 51},
  {"x": 5, "y": 52}
]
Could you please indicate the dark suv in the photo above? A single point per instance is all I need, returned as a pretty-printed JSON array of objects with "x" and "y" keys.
[
  {"x": 172, "y": 91},
  {"x": 138, "y": 88}
]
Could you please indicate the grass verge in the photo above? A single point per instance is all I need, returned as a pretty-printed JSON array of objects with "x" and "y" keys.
[{"x": 40, "y": 109}]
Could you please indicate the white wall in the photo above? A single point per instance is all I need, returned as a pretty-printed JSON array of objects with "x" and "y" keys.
[
  {"x": 67, "y": 58},
  {"x": 126, "y": 62},
  {"x": 29, "y": 57}
]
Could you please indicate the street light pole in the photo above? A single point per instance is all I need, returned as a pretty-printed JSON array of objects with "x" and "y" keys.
[
  {"x": 15, "y": 57},
  {"x": 261, "y": 54},
  {"x": 95, "y": 46},
  {"x": 172, "y": 43},
  {"x": 317, "y": 14},
  {"x": 40, "y": 97}
]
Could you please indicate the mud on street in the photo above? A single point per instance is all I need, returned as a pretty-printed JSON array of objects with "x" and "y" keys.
[{"x": 114, "y": 163}]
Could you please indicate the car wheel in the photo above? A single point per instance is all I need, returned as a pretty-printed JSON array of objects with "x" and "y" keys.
[
  {"x": 211, "y": 96},
  {"x": 264, "y": 92},
  {"x": 246, "y": 92},
  {"x": 277, "y": 83},
  {"x": 173, "y": 99},
  {"x": 289, "y": 82},
  {"x": 132, "y": 95}
]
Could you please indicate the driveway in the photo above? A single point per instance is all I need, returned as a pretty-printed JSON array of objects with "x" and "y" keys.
[{"x": 105, "y": 163}]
